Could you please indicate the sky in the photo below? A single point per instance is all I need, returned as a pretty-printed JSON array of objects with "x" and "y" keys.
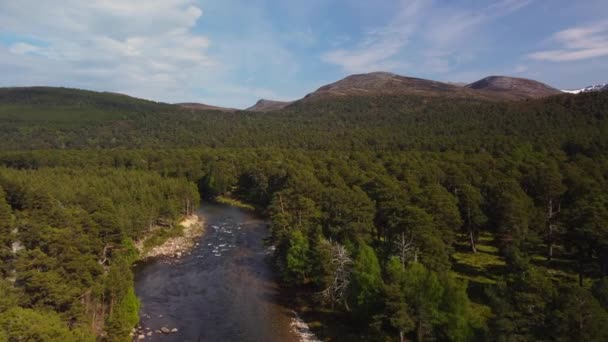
[{"x": 233, "y": 52}]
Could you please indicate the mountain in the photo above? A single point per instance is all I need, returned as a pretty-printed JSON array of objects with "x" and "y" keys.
[
  {"x": 593, "y": 88},
  {"x": 495, "y": 88},
  {"x": 268, "y": 105},
  {"x": 202, "y": 106},
  {"x": 384, "y": 83},
  {"x": 513, "y": 88},
  {"x": 46, "y": 118}
]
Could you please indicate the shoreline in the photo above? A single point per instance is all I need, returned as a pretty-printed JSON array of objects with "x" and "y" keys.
[{"x": 178, "y": 246}]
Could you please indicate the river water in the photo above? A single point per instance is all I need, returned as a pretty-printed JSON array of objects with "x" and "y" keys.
[{"x": 224, "y": 290}]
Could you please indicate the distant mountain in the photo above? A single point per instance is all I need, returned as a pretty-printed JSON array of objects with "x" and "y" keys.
[
  {"x": 47, "y": 118},
  {"x": 383, "y": 83},
  {"x": 597, "y": 87},
  {"x": 268, "y": 105},
  {"x": 202, "y": 106},
  {"x": 513, "y": 88}
]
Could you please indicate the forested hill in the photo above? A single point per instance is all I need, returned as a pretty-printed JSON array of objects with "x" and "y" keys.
[
  {"x": 394, "y": 216},
  {"x": 43, "y": 118},
  {"x": 70, "y": 97}
]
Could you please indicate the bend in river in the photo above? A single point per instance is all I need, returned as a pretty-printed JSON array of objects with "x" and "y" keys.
[{"x": 224, "y": 290}]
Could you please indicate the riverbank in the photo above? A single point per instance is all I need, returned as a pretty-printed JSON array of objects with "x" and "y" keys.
[{"x": 175, "y": 246}]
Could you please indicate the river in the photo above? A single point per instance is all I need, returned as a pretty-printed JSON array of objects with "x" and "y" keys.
[{"x": 224, "y": 290}]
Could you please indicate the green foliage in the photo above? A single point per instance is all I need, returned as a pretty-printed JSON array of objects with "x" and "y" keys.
[
  {"x": 123, "y": 317},
  {"x": 510, "y": 214},
  {"x": 45, "y": 118},
  {"x": 233, "y": 202},
  {"x": 9, "y": 296},
  {"x": 600, "y": 291},
  {"x": 20, "y": 324},
  {"x": 296, "y": 261},
  {"x": 6, "y": 233},
  {"x": 77, "y": 242},
  {"x": 398, "y": 311},
  {"x": 579, "y": 316},
  {"x": 423, "y": 292},
  {"x": 366, "y": 282},
  {"x": 422, "y": 193},
  {"x": 587, "y": 229}
]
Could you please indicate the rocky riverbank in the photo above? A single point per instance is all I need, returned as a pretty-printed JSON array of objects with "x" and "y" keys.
[
  {"x": 176, "y": 247},
  {"x": 301, "y": 329}
]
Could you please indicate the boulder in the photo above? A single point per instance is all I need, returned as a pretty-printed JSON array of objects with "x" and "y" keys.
[
  {"x": 165, "y": 330},
  {"x": 174, "y": 330}
]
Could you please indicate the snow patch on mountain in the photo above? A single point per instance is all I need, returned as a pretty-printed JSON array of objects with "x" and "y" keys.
[{"x": 597, "y": 87}]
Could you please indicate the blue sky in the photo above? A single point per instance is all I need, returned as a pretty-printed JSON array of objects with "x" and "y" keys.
[{"x": 233, "y": 52}]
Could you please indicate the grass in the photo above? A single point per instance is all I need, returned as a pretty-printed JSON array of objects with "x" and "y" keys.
[
  {"x": 486, "y": 266},
  {"x": 234, "y": 202},
  {"x": 483, "y": 267}
]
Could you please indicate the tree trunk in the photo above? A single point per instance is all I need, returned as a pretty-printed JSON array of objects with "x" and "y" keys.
[
  {"x": 401, "y": 335},
  {"x": 470, "y": 226},
  {"x": 419, "y": 332},
  {"x": 472, "y": 239},
  {"x": 551, "y": 228},
  {"x": 346, "y": 305},
  {"x": 580, "y": 271}
]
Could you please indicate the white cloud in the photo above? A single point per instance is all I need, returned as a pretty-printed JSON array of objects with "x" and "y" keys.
[
  {"x": 443, "y": 30},
  {"x": 380, "y": 45},
  {"x": 449, "y": 27},
  {"x": 577, "y": 43},
  {"x": 520, "y": 68},
  {"x": 23, "y": 48},
  {"x": 146, "y": 48}
]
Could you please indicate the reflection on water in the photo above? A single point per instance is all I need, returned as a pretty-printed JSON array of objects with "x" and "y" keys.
[{"x": 224, "y": 290}]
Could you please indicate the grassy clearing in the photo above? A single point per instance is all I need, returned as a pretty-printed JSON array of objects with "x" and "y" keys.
[
  {"x": 483, "y": 267},
  {"x": 234, "y": 202},
  {"x": 486, "y": 266}
]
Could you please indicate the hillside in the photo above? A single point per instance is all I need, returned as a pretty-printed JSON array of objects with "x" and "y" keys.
[
  {"x": 474, "y": 186},
  {"x": 202, "y": 106},
  {"x": 34, "y": 119},
  {"x": 513, "y": 88},
  {"x": 51, "y": 96},
  {"x": 383, "y": 83},
  {"x": 268, "y": 105},
  {"x": 494, "y": 88}
]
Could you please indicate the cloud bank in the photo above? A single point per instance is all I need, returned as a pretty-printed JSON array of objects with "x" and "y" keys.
[
  {"x": 142, "y": 47},
  {"x": 577, "y": 43}
]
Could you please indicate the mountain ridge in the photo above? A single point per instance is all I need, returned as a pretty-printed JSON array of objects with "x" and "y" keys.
[
  {"x": 491, "y": 88},
  {"x": 203, "y": 106},
  {"x": 515, "y": 88},
  {"x": 264, "y": 105}
]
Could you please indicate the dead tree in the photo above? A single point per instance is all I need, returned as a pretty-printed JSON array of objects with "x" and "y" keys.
[
  {"x": 406, "y": 249},
  {"x": 341, "y": 262},
  {"x": 104, "y": 254},
  {"x": 552, "y": 213}
]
